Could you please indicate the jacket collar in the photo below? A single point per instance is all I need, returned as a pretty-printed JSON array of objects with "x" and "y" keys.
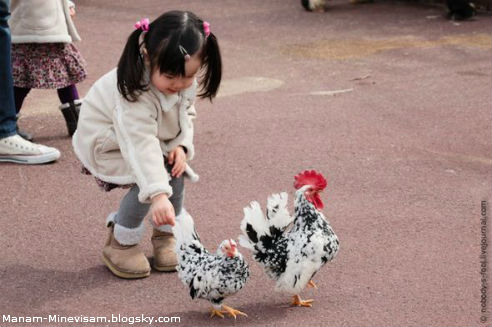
[{"x": 169, "y": 101}]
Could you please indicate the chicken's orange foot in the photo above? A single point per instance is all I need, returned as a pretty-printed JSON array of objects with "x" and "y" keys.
[
  {"x": 298, "y": 302},
  {"x": 214, "y": 312},
  {"x": 233, "y": 312},
  {"x": 312, "y": 284}
]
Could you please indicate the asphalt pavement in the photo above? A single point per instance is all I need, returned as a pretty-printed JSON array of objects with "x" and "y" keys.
[{"x": 389, "y": 100}]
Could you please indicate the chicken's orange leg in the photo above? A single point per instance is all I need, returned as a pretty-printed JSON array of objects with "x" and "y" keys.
[
  {"x": 312, "y": 284},
  {"x": 233, "y": 312},
  {"x": 298, "y": 302},
  {"x": 214, "y": 312}
]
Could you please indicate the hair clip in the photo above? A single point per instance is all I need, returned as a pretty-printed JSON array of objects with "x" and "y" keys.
[
  {"x": 206, "y": 28},
  {"x": 143, "y": 24},
  {"x": 184, "y": 52}
]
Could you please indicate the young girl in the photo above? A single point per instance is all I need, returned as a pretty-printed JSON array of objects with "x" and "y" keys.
[
  {"x": 135, "y": 130},
  {"x": 43, "y": 55}
]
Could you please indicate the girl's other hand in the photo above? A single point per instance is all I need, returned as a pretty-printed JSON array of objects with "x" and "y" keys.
[
  {"x": 162, "y": 211},
  {"x": 72, "y": 11},
  {"x": 177, "y": 158}
]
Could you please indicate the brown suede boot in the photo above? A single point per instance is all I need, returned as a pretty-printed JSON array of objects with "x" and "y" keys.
[
  {"x": 125, "y": 261},
  {"x": 164, "y": 253}
]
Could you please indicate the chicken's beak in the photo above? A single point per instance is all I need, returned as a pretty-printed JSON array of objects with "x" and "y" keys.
[{"x": 232, "y": 252}]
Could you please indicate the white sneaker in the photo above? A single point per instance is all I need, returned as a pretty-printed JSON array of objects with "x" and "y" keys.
[{"x": 16, "y": 149}]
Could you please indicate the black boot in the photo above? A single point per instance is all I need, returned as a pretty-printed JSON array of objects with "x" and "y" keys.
[{"x": 70, "y": 111}]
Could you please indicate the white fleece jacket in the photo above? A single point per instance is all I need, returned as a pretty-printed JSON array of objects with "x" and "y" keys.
[
  {"x": 42, "y": 21},
  {"x": 124, "y": 142}
]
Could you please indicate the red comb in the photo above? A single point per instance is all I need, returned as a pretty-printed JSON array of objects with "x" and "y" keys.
[{"x": 310, "y": 177}]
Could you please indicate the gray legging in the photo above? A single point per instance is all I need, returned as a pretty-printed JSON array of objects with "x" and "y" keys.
[{"x": 132, "y": 212}]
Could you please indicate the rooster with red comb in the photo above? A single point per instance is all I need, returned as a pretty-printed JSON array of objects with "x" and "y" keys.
[{"x": 291, "y": 257}]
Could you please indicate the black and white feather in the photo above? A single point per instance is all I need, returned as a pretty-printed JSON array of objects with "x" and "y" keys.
[
  {"x": 209, "y": 276},
  {"x": 290, "y": 256}
]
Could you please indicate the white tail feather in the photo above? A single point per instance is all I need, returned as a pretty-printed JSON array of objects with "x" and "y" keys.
[
  {"x": 245, "y": 242},
  {"x": 278, "y": 217},
  {"x": 253, "y": 215},
  {"x": 277, "y": 211},
  {"x": 184, "y": 229}
]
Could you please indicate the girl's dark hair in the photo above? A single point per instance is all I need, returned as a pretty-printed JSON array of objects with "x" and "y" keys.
[{"x": 162, "y": 44}]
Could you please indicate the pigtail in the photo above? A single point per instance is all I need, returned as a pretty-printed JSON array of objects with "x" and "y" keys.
[
  {"x": 131, "y": 68},
  {"x": 213, "y": 68},
  {"x": 166, "y": 42}
]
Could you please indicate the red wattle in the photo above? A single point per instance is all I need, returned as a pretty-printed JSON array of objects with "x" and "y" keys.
[{"x": 315, "y": 199}]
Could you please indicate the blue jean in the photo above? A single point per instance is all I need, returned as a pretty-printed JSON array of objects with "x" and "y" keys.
[{"x": 7, "y": 106}]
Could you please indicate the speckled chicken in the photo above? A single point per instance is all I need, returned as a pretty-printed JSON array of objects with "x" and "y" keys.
[
  {"x": 212, "y": 277},
  {"x": 292, "y": 256}
]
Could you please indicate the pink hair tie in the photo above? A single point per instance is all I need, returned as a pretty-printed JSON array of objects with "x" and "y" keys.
[
  {"x": 206, "y": 28},
  {"x": 143, "y": 24}
]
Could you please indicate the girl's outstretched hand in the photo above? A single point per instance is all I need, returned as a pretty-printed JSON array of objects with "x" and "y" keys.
[
  {"x": 162, "y": 211},
  {"x": 177, "y": 158}
]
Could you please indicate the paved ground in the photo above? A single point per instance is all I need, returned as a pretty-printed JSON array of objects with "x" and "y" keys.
[{"x": 389, "y": 100}]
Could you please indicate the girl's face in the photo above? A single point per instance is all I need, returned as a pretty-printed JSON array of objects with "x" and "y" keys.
[{"x": 172, "y": 84}]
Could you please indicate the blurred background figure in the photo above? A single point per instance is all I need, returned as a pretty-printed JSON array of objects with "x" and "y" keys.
[
  {"x": 314, "y": 5},
  {"x": 460, "y": 9},
  {"x": 44, "y": 56},
  {"x": 457, "y": 9},
  {"x": 320, "y": 5},
  {"x": 14, "y": 148}
]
